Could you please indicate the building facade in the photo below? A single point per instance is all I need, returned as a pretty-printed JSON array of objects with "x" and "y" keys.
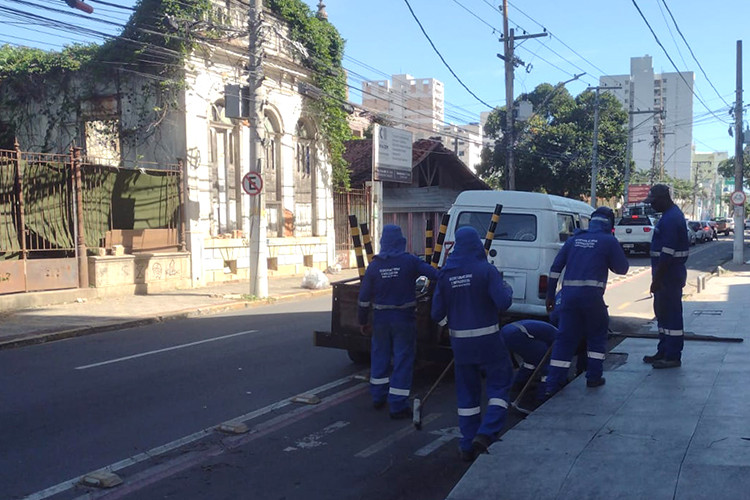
[{"x": 661, "y": 117}]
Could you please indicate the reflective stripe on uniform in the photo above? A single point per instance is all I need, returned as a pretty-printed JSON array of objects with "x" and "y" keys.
[
  {"x": 380, "y": 307},
  {"x": 475, "y": 332},
  {"x": 559, "y": 364},
  {"x": 595, "y": 355},
  {"x": 667, "y": 250},
  {"x": 528, "y": 366},
  {"x": 523, "y": 330},
  {"x": 398, "y": 392},
  {"x": 468, "y": 412},
  {"x": 553, "y": 276},
  {"x": 364, "y": 304},
  {"x": 655, "y": 254},
  {"x": 673, "y": 333},
  {"x": 544, "y": 378},
  {"x": 686, "y": 253},
  {"x": 595, "y": 283},
  {"x": 379, "y": 381},
  {"x": 498, "y": 402}
]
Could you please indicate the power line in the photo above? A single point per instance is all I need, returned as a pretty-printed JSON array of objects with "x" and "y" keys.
[{"x": 442, "y": 58}]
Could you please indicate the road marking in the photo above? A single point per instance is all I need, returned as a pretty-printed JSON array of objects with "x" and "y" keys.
[
  {"x": 159, "y": 450},
  {"x": 446, "y": 435},
  {"x": 173, "y": 348},
  {"x": 384, "y": 443},
  {"x": 314, "y": 440}
]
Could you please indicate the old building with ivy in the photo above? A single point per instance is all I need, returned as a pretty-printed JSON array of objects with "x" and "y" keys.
[{"x": 156, "y": 96}]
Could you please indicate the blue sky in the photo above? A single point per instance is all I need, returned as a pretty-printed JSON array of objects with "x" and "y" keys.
[{"x": 595, "y": 37}]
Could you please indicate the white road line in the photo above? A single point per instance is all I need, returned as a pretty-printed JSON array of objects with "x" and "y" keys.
[
  {"x": 154, "y": 452},
  {"x": 173, "y": 348},
  {"x": 446, "y": 435},
  {"x": 384, "y": 443}
]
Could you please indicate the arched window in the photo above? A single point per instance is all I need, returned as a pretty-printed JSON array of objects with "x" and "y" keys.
[
  {"x": 304, "y": 180},
  {"x": 224, "y": 172},
  {"x": 272, "y": 176}
]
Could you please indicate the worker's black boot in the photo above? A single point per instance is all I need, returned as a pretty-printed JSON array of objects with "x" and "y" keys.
[
  {"x": 666, "y": 363},
  {"x": 481, "y": 443},
  {"x": 378, "y": 404},
  {"x": 468, "y": 456},
  {"x": 595, "y": 382},
  {"x": 402, "y": 414},
  {"x": 655, "y": 357}
]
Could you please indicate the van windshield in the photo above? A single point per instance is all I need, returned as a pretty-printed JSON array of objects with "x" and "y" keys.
[{"x": 510, "y": 227}]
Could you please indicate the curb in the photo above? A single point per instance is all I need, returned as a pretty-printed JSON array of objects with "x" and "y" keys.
[{"x": 33, "y": 338}]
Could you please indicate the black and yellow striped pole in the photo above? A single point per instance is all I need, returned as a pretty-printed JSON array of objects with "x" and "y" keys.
[
  {"x": 429, "y": 241},
  {"x": 491, "y": 230},
  {"x": 440, "y": 240},
  {"x": 357, "y": 245},
  {"x": 367, "y": 242}
]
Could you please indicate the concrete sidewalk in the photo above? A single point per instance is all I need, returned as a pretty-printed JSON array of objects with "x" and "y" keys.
[
  {"x": 680, "y": 433},
  {"x": 81, "y": 313}
]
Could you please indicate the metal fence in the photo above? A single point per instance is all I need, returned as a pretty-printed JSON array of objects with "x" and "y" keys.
[{"x": 346, "y": 203}]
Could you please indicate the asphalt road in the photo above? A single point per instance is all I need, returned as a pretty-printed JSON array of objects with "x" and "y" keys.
[{"x": 145, "y": 403}]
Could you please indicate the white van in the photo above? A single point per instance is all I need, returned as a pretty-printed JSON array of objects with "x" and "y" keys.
[{"x": 531, "y": 230}]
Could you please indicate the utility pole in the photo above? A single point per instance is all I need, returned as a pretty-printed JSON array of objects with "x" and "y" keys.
[
  {"x": 595, "y": 147},
  {"x": 508, "y": 56},
  {"x": 258, "y": 270},
  {"x": 629, "y": 147},
  {"x": 738, "y": 256}
]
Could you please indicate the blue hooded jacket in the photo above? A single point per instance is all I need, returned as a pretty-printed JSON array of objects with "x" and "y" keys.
[
  {"x": 470, "y": 292},
  {"x": 388, "y": 285},
  {"x": 587, "y": 258}
]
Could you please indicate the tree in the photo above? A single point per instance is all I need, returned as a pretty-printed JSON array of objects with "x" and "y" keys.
[
  {"x": 553, "y": 149},
  {"x": 726, "y": 168}
]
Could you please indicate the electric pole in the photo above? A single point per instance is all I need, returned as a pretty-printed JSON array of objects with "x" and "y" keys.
[
  {"x": 738, "y": 256},
  {"x": 258, "y": 270},
  {"x": 629, "y": 147},
  {"x": 595, "y": 147},
  {"x": 508, "y": 56}
]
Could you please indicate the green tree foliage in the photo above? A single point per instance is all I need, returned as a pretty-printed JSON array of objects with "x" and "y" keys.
[
  {"x": 726, "y": 168},
  {"x": 553, "y": 149}
]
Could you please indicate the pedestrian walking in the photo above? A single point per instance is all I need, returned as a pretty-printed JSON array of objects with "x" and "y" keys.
[
  {"x": 469, "y": 295},
  {"x": 389, "y": 288},
  {"x": 587, "y": 257},
  {"x": 669, "y": 252}
]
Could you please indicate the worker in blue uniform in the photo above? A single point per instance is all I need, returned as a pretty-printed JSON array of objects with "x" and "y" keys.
[
  {"x": 389, "y": 288},
  {"x": 469, "y": 295},
  {"x": 586, "y": 257},
  {"x": 669, "y": 252},
  {"x": 530, "y": 339}
]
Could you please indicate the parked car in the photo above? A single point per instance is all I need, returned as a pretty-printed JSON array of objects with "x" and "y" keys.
[
  {"x": 634, "y": 232},
  {"x": 697, "y": 227},
  {"x": 724, "y": 225},
  {"x": 692, "y": 237},
  {"x": 710, "y": 228}
]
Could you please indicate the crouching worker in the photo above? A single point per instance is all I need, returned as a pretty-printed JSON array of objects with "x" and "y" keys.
[
  {"x": 530, "y": 339},
  {"x": 389, "y": 288},
  {"x": 470, "y": 293},
  {"x": 586, "y": 258}
]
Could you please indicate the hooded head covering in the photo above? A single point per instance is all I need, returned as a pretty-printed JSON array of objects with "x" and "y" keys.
[
  {"x": 468, "y": 248},
  {"x": 602, "y": 219},
  {"x": 392, "y": 242}
]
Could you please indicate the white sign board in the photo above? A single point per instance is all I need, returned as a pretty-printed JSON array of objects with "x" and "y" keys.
[{"x": 391, "y": 154}]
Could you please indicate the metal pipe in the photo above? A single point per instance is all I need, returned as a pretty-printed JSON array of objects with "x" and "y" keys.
[
  {"x": 357, "y": 245},
  {"x": 491, "y": 229},
  {"x": 440, "y": 239}
]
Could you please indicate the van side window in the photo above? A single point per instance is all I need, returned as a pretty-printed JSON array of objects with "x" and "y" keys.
[
  {"x": 510, "y": 227},
  {"x": 585, "y": 222},
  {"x": 566, "y": 225}
]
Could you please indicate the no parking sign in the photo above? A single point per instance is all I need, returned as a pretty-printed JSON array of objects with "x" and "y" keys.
[{"x": 252, "y": 183}]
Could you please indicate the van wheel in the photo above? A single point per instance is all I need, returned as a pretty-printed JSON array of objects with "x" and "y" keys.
[{"x": 359, "y": 357}]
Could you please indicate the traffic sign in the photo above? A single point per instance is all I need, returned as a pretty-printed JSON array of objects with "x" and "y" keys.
[
  {"x": 252, "y": 183},
  {"x": 738, "y": 198}
]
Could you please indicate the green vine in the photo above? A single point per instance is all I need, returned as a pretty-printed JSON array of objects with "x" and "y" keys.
[{"x": 325, "y": 52}]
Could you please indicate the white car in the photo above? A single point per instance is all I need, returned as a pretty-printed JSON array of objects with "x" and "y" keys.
[
  {"x": 697, "y": 227},
  {"x": 634, "y": 232},
  {"x": 692, "y": 237}
]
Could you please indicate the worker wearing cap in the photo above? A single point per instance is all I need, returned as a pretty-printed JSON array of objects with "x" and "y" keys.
[
  {"x": 669, "y": 252},
  {"x": 470, "y": 293},
  {"x": 587, "y": 257},
  {"x": 388, "y": 286}
]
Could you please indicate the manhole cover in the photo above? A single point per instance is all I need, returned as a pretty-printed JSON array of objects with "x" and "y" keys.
[{"x": 708, "y": 312}]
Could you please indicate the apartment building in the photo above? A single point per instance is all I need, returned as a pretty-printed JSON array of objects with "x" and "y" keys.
[{"x": 661, "y": 117}]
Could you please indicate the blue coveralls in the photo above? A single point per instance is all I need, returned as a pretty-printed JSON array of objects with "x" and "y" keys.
[
  {"x": 586, "y": 257},
  {"x": 670, "y": 248},
  {"x": 389, "y": 288},
  {"x": 530, "y": 339},
  {"x": 470, "y": 292}
]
